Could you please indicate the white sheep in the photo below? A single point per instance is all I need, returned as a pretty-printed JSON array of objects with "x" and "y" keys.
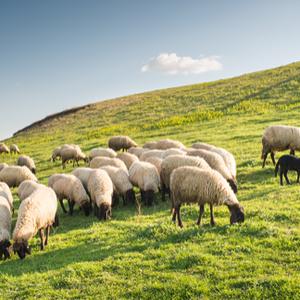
[
  {"x": 27, "y": 161},
  {"x": 69, "y": 187},
  {"x": 168, "y": 143},
  {"x": 137, "y": 151},
  {"x": 6, "y": 193},
  {"x": 194, "y": 185},
  {"x": 121, "y": 183},
  {"x": 107, "y": 152},
  {"x": 14, "y": 175},
  {"x": 36, "y": 213},
  {"x": 100, "y": 188},
  {"x": 99, "y": 162},
  {"x": 173, "y": 162},
  {"x": 56, "y": 154},
  {"x": 73, "y": 153},
  {"x": 127, "y": 158},
  {"x": 5, "y": 227},
  {"x": 121, "y": 142},
  {"x": 14, "y": 149},
  {"x": 3, "y": 148},
  {"x": 279, "y": 138},
  {"x": 155, "y": 161},
  {"x": 217, "y": 163},
  {"x": 173, "y": 151},
  {"x": 145, "y": 176},
  {"x": 225, "y": 154},
  {"x": 3, "y": 165},
  {"x": 152, "y": 153},
  {"x": 27, "y": 187},
  {"x": 83, "y": 175}
]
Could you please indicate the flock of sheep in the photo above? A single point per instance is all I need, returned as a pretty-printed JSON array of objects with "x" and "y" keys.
[{"x": 202, "y": 174}]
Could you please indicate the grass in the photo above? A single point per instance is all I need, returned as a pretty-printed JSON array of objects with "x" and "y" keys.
[{"x": 146, "y": 256}]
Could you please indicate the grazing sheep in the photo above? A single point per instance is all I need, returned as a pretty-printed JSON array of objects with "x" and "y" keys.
[
  {"x": 121, "y": 142},
  {"x": 194, "y": 185},
  {"x": 173, "y": 151},
  {"x": 106, "y": 152},
  {"x": 99, "y": 162},
  {"x": 127, "y": 158},
  {"x": 14, "y": 175},
  {"x": 279, "y": 138},
  {"x": 69, "y": 187},
  {"x": 152, "y": 153},
  {"x": 14, "y": 149},
  {"x": 168, "y": 143},
  {"x": 173, "y": 162},
  {"x": 145, "y": 176},
  {"x": 3, "y": 148},
  {"x": 217, "y": 163},
  {"x": 287, "y": 163},
  {"x": 137, "y": 151},
  {"x": 150, "y": 145},
  {"x": 36, "y": 213},
  {"x": 83, "y": 175},
  {"x": 226, "y": 155},
  {"x": 72, "y": 152},
  {"x": 3, "y": 165},
  {"x": 5, "y": 227},
  {"x": 155, "y": 161},
  {"x": 6, "y": 193},
  {"x": 27, "y": 187},
  {"x": 100, "y": 188},
  {"x": 27, "y": 161},
  {"x": 122, "y": 184},
  {"x": 56, "y": 154}
]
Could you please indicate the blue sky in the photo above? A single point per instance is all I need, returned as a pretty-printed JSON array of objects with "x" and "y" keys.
[{"x": 60, "y": 54}]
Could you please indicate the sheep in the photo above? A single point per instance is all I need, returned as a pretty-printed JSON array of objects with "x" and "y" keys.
[
  {"x": 14, "y": 175},
  {"x": 107, "y": 152},
  {"x": 27, "y": 161},
  {"x": 172, "y": 162},
  {"x": 99, "y": 162},
  {"x": 100, "y": 188},
  {"x": 287, "y": 163},
  {"x": 168, "y": 143},
  {"x": 155, "y": 161},
  {"x": 3, "y": 165},
  {"x": 5, "y": 227},
  {"x": 150, "y": 145},
  {"x": 137, "y": 151},
  {"x": 121, "y": 183},
  {"x": 127, "y": 158},
  {"x": 56, "y": 154},
  {"x": 3, "y": 148},
  {"x": 14, "y": 149},
  {"x": 6, "y": 193},
  {"x": 36, "y": 213},
  {"x": 145, "y": 176},
  {"x": 121, "y": 142},
  {"x": 194, "y": 185},
  {"x": 72, "y": 152},
  {"x": 217, "y": 163},
  {"x": 279, "y": 138},
  {"x": 83, "y": 175},
  {"x": 69, "y": 187},
  {"x": 226, "y": 155},
  {"x": 173, "y": 151},
  {"x": 152, "y": 153},
  {"x": 26, "y": 188}
]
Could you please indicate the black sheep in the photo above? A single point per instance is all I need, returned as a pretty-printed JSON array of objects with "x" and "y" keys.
[{"x": 286, "y": 163}]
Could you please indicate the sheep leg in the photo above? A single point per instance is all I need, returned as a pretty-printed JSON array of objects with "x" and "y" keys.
[
  {"x": 286, "y": 178},
  {"x": 298, "y": 175},
  {"x": 201, "y": 212},
  {"x": 281, "y": 174},
  {"x": 292, "y": 152},
  {"x": 95, "y": 209},
  {"x": 273, "y": 158},
  {"x": 264, "y": 160},
  {"x": 178, "y": 215},
  {"x": 163, "y": 192},
  {"x": 212, "y": 219},
  {"x": 47, "y": 235},
  {"x": 174, "y": 215},
  {"x": 41, "y": 234},
  {"x": 61, "y": 201},
  {"x": 71, "y": 207}
]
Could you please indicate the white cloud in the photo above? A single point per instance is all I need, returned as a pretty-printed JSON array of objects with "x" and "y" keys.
[{"x": 171, "y": 63}]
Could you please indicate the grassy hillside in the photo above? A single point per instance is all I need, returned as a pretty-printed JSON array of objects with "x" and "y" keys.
[{"x": 146, "y": 256}]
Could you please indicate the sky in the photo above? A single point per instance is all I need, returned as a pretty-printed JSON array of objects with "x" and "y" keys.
[{"x": 59, "y": 54}]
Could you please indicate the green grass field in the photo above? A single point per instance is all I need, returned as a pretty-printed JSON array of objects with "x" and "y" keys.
[{"x": 146, "y": 256}]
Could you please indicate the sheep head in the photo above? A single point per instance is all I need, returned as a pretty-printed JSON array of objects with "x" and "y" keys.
[
  {"x": 5, "y": 249},
  {"x": 236, "y": 213},
  {"x": 22, "y": 249}
]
